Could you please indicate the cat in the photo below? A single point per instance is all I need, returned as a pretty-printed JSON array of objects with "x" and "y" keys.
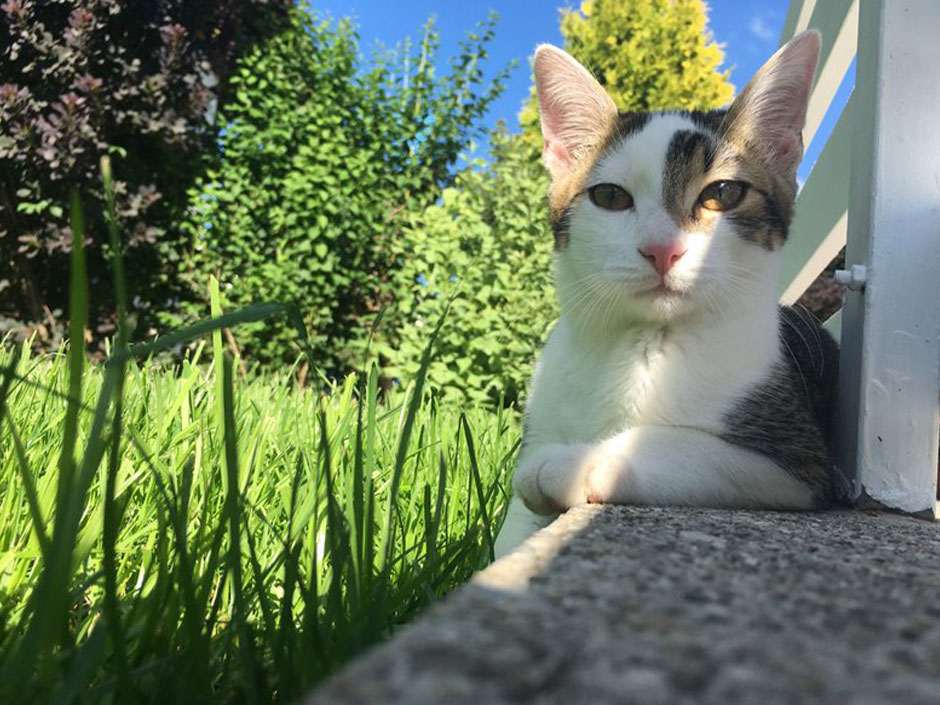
[{"x": 672, "y": 376}]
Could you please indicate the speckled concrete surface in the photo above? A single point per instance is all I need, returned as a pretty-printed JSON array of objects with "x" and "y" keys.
[{"x": 650, "y": 605}]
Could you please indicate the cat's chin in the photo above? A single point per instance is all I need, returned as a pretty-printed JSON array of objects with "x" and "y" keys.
[
  {"x": 643, "y": 308},
  {"x": 659, "y": 306}
]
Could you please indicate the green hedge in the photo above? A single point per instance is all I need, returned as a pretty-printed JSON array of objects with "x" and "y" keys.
[
  {"x": 487, "y": 244},
  {"x": 320, "y": 160}
]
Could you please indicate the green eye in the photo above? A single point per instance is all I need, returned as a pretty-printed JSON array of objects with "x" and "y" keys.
[
  {"x": 722, "y": 195},
  {"x": 610, "y": 197}
]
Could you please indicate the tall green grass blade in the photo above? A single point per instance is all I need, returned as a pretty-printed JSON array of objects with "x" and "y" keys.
[
  {"x": 292, "y": 580},
  {"x": 262, "y": 599},
  {"x": 404, "y": 440},
  {"x": 357, "y": 490},
  {"x": 111, "y": 519},
  {"x": 336, "y": 540},
  {"x": 218, "y": 360},
  {"x": 478, "y": 483},
  {"x": 249, "y": 314},
  {"x": 368, "y": 538},
  {"x": 29, "y": 487},
  {"x": 48, "y": 607},
  {"x": 78, "y": 315},
  {"x": 251, "y": 673}
]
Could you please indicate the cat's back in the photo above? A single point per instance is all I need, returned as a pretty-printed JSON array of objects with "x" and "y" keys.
[
  {"x": 811, "y": 355},
  {"x": 790, "y": 414}
]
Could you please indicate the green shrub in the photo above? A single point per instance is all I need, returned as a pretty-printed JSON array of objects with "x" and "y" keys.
[
  {"x": 488, "y": 243},
  {"x": 320, "y": 159}
]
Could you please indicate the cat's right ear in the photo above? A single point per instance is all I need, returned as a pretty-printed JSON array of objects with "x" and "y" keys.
[
  {"x": 770, "y": 112},
  {"x": 575, "y": 111}
]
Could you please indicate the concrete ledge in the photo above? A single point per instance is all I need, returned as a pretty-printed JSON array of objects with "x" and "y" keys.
[{"x": 656, "y": 605}]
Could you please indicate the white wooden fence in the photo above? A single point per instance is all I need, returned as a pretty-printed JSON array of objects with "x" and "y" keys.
[{"x": 876, "y": 189}]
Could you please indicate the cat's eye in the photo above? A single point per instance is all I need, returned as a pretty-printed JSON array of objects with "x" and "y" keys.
[
  {"x": 722, "y": 195},
  {"x": 610, "y": 197}
]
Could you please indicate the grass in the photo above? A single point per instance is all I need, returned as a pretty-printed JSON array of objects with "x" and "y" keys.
[{"x": 184, "y": 535}]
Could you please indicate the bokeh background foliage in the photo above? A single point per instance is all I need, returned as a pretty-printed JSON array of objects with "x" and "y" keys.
[
  {"x": 649, "y": 55},
  {"x": 487, "y": 245},
  {"x": 261, "y": 143}
]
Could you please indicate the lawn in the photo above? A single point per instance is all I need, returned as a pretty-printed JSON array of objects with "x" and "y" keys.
[{"x": 185, "y": 533}]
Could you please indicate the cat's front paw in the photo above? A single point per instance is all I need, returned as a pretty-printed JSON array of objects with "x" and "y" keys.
[
  {"x": 551, "y": 479},
  {"x": 608, "y": 478}
]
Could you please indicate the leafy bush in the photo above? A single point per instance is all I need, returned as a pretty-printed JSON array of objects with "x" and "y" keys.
[
  {"x": 488, "y": 244},
  {"x": 82, "y": 78},
  {"x": 320, "y": 158}
]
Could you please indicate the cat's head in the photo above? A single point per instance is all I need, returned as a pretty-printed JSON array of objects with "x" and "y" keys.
[{"x": 662, "y": 215}]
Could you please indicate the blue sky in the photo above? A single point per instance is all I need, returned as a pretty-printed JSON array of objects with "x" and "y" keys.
[{"x": 748, "y": 29}]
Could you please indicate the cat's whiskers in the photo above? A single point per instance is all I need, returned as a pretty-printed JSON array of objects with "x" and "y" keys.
[
  {"x": 604, "y": 305},
  {"x": 583, "y": 290},
  {"x": 803, "y": 340},
  {"x": 607, "y": 317},
  {"x": 577, "y": 289}
]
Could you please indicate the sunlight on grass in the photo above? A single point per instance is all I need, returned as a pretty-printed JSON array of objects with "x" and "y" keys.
[{"x": 175, "y": 534}]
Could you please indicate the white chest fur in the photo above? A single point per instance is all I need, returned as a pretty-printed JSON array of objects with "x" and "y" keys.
[{"x": 587, "y": 388}]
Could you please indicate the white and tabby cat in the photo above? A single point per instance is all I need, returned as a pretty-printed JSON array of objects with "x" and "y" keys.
[{"x": 673, "y": 377}]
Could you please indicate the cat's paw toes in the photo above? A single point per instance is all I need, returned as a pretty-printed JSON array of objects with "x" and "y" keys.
[
  {"x": 551, "y": 479},
  {"x": 607, "y": 482}
]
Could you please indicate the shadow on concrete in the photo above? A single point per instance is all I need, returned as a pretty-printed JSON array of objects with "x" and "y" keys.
[{"x": 671, "y": 605}]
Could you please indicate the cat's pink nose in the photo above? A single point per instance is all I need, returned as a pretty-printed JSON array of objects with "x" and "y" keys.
[{"x": 663, "y": 257}]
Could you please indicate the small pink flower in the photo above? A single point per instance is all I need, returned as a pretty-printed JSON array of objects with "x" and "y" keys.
[
  {"x": 13, "y": 7},
  {"x": 8, "y": 92},
  {"x": 88, "y": 84},
  {"x": 80, "y": 19}
]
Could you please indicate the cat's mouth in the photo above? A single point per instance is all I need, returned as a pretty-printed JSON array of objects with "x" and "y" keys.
[{"x": 661, "y": 290}]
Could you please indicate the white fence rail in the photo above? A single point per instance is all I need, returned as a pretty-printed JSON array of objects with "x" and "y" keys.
[{"x": 876, "y": 189}]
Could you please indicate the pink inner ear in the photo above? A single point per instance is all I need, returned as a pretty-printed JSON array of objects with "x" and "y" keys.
[
  {"x": 789, "y": 147},
  {"x": 573, "y": 108},
  {"x": 553, "y": 117},
  {"x": 774, "y": 101},
  {"x": 555, "y": 154}
]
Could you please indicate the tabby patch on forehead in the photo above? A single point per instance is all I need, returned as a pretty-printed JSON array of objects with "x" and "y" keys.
[
  {"x": 688, "y": 158},
  {"x": 763, "y": 215}
]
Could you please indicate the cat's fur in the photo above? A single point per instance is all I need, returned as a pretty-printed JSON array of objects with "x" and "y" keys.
[{"x": 704, "y": 391}]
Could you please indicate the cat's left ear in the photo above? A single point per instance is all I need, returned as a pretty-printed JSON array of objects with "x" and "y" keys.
[
  {"x": 574, "y": 109},
  {"x": 770, "y": 112}
]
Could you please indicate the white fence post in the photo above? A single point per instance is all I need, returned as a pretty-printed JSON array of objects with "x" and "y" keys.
[
  {"x": 890, "y": 371},
  {"x": 817, "y": 232}
]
